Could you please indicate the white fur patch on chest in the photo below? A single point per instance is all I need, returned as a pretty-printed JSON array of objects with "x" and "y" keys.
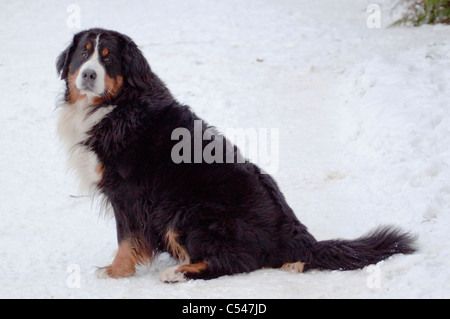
[{"x": 75, "y": 120}]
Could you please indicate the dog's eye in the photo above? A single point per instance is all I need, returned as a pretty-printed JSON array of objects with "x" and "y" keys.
[{"x": 107, "y": 59}]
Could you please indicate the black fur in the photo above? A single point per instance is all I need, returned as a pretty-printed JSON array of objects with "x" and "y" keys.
[{"x": 230, "y": 215}]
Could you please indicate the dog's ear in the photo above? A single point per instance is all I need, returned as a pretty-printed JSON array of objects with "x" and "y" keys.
[
  {"x": 135, "y": 67},
  {"x": 63, "y": 60}
]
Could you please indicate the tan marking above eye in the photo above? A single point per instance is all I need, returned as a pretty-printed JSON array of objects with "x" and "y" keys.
[
  {"x": 105, "y": 52},
  {"x": 88, "y": 46}
]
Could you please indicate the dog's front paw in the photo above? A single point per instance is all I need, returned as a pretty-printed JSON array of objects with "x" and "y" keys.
[
  {"x": 171, "y": 275},
  {"x": 102, "y": 273},
  {"x": 111, "y": 272}
]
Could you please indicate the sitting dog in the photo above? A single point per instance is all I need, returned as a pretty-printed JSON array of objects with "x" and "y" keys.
[{"x": 117, "y": 119}]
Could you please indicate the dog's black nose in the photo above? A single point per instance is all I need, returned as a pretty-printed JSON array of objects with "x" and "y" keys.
[{"x": 89, "y": 75}]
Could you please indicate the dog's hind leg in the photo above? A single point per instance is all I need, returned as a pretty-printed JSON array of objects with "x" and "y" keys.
[
  {"x": 293, "y": 267},
  {"x": 184, "y": 272}
]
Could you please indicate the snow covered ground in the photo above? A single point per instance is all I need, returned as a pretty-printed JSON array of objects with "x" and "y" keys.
[{"x": 364, "y": 120}]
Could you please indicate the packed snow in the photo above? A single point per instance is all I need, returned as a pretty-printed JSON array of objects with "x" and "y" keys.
[{"x": 363, "y": 117}]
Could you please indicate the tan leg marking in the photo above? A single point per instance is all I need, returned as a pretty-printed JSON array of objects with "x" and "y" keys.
[
  {"x": 193, "y": 268},
  {"x": 293, "y": 267},
  {"x": 177, "y": 251},
  {"x": 129, "y": 255}
]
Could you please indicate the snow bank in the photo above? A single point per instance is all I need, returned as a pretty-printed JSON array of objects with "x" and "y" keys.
[
  {"x": 398, "y": 140},
  {"x": 401, "y": 128}
]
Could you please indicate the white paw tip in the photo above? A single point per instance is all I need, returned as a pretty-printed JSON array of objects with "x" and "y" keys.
[
  {"x": 102, "y": 273},
  {"x": 170, "y": 275}
]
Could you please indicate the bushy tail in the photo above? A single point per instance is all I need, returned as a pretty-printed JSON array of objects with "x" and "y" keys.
[{"x": 355, "y": 254}]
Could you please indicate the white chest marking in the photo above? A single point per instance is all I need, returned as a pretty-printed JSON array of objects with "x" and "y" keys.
[{"x": 74, "y": 123}]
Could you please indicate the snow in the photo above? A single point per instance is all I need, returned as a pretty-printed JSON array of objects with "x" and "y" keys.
[{"x": 364, "y": 130}]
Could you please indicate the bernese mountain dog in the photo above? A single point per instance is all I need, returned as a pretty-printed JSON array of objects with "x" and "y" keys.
[{"x": 117, "y": 121}]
